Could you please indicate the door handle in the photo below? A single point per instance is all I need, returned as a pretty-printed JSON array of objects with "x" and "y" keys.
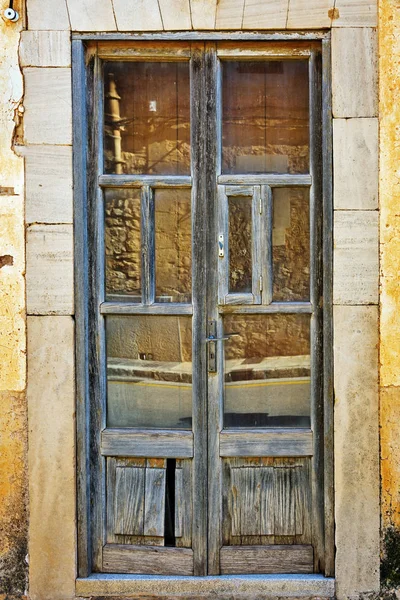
[
  {"x": 226, "y": 336},
  {"x": 212, "y": 346}
]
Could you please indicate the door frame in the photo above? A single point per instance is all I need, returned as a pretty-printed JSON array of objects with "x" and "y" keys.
[{"x": 90, "y": 346}]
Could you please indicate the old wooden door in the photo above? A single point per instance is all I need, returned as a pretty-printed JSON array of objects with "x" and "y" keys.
[{"x": 207, "y": 395}]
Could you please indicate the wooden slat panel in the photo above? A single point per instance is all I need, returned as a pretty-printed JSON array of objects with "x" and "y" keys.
[
  {"x": 266, "y": 559},
  {"x": 183, "y": 504},
  {"x": 267, "y": 501},
  {"x": 250, "y": 505},
  {"x": 161, "y": 443},
  {"x": 284, "y": 502},
  {"x": 235, "y": 503},
  {"x": 154, "y": 560},
  {"x": 154, "y": 508},
  {"x": 266, "y": 443},
  {"x": 178, "y": 503},
  {"x": 129, "y": 501}
]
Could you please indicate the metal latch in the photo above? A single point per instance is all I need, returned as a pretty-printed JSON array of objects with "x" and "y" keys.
[{"x": 212, "y": 341}]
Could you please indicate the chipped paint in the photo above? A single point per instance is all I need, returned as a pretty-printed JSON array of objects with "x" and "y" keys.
[
  {"x": 389, "y": 192},
  {"x": 13, "y": 418}
]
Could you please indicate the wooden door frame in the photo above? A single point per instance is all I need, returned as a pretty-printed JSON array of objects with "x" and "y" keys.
[{"x": 87, "y": 98}]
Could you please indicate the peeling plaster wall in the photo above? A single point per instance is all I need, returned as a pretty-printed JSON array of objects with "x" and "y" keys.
[{"x": 13, "y": 416}]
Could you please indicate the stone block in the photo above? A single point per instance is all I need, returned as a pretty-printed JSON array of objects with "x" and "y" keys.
[
  {"x": 175, "y": 14},
  {"x": 390, "y": 455},
  {"x": 309, "y": 14},
  {"x": 49, "y": 270},
  {"x": 48, "y": 15},
  {"x": 203, "y": 13},
  {"x": 355, "y": 161},
  {"x": 87, "y": 15},
  {"x": 229, "y": 14},
  {"x": 51, "y": 417},
  {"x": 45, "y": 49},
  {"x": 137, "y": 15},
  {"x": 356, "y": 13},
  {"x": 48, "y": 106},
  {"x": 265, "y": 14},
  {"x": 48, "y": 173},
  {"x": 354, "y": 72},
  {"x": 355, "y": 257},
  {"x": 357, "y": 512}
]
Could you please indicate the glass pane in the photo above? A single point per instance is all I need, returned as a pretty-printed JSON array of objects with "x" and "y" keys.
[
  {"x": 265, "y": 126},
  {"x": 147, "y": 118},
  {"x": 291, "y": 244},
  {"x": 122, "y": 245},
  {"x": 173, "y": 231},
  {"x": 149, "y": 371},
  {"x": 240, "y": 244},
  {"x": 267, "y": 371}
]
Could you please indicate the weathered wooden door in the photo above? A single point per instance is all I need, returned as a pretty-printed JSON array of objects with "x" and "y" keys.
[{"x": 207, "y": 397}]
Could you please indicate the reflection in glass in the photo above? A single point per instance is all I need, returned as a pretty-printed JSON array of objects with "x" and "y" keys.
[
  {"x": 265, "y": 112},
  {"x": 240, "y": 244},
  {"x": 147, "y": 118},
  {"x": 122, "y": 244},
  {"x": 173, "y": 236},
  {"x": 291, "y": 244},
  {"x": 149, "y": 371},
  {"x": 267, "y": 371}
]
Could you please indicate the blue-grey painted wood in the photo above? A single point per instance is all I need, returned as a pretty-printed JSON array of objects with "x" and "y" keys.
[
  {"x": 155, "y": 181},
  {"x": 161, "y": 443},
  {"x": 264, "y": 442},
  {"x": 160, "y": 308}
]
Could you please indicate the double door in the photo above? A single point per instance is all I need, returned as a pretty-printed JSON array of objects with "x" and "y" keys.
[{"x": 205, "y": 385}]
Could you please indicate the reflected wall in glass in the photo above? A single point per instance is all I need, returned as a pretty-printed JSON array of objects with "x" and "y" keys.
[
  {"x": 240, "y": 244},
  {"x": 265, "y": 116},
  {"x": 291, "y": 244},
  {"x": 173, "y": 245},
  {"x": 147, "y": 118},
  {"x": 122, "y": 244},
  {"x": 267, "y": 371},
  {"x": 149, "y": 371}
]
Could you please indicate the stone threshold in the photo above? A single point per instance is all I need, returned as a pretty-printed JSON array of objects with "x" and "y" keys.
[{"x": 232, "y": 586}]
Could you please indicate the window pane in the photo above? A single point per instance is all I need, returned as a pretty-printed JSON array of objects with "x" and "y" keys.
[
  {"x": 291, "y": 244},
  {"x": 265, "y": 126},
  {"x": 267, "y": 371},
  {"x": 240, "y": 244},
  {"x": 173, "y": 232},
  {"x": 149, "y": 371},
  {"x": 122, "y": 245},
  {"x": 147, "y": 118}
]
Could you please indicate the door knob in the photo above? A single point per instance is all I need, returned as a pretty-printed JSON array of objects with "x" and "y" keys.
[{"x": 226, "y": 336}]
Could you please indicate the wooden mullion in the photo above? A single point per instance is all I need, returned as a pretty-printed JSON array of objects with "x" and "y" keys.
[
  {"x": 148, "y": 245},
  {"x": 328, "y": 310},
  {"x": 273, "y": 308},
  {"x": 266, "y": 243},
  {"x": 257, "y": 272},
  {"x": 199, "y": 241},
  {"x": 137, "y": 181},
  {"x": 316, "y": 278},
  {"x": 273, "y": 180},
  {"x": 223, "y": 261},
  {"x": 161, "y": 308},
  {"x": 204, "y": 36}
]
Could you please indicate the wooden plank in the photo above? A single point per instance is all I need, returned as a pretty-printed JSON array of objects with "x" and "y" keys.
[
  {"x": 264, "y": 560},
  {"x": 183, "y": 504},
  {"x": 267, "y": 502},
  {"x": 154, "y": 505},
  {"x": 124, "y": 308},
  {"x": 206, "y": 36},
  {"x": 239, "y": 190},
  {"x": 150, "y": 560},
  {"x": 256, "y": 51},
  {"x": 250, "y": 520},
  {"x": 178, "y": 503},
  {"x": 148, "y": 245},
  {"x": 223, "y": 260},
  {"x": 155, "y": 181},
  {"x": 141, "y": 442},
  {"x": 264, "y": 442},
  {"x": 284, "y": 502},
  {"x": 273, "y": 308},
  {"x": 271, "y": 180},
  {"x": 328, "y": 311},
  {"x": 129, "y": 500},
  {"x": 266, "y": 243},
  {"x": 235, "y": 299},
  {"x": 257, "y": 258},
  {"x": 236, "y": 501}
]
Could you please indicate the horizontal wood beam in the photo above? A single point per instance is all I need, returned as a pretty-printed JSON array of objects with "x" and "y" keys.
[
  {"x": 162, "y": 308},
  {"x": 273, "y": 308},
  {"x": 156, "y": 181},
  {"x": 160, "y": 443},
  {"x": 150, "y": 560},
  {"x": 260, "y": 560},
  {"x": 205, "y": 36},
  {"x": 284, "y": 180},
  {"x": 266, "y": 442}
]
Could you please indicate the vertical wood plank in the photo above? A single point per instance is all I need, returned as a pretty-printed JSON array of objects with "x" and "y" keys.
[
  {"x": 236, "y": 501},
  {"x": 257, "y": 251},
  {"x": 298, "y": 481},
  {"x": 148, "y": 245},
  {"x": 284, "y": 502},
  {"x": 183, "y": 504},
  {"x": 154, "y": 502},
  {"x": 178, "y": 503},
  {"x": 267, "y": 502},
  {"x": 223, "y": 261},
  {"x": 250, "y": 509},
  {"x": 266, "y": 243}
]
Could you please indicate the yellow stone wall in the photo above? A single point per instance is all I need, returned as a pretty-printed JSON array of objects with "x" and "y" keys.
[
  {"x": 389, "y": 111},
  {"x": 13, "y": 421}
]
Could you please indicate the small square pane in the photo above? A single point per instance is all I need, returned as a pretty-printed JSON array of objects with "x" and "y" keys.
[
  {"x": 122, "y": 245},
  {"x": 267, "y": 371},
  {"x": 265, "y": 117},
  {"x": 149, "y": 371}
]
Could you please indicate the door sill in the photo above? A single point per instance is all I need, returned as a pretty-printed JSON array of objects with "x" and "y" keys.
[{"x": 220, "y": 586}]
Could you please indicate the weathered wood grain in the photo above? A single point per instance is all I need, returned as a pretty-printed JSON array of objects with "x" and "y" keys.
[
  {"x": 284, "y": 502},
  {"x": 154, "y": 508},
  {"x": 155, "y": 181},
  {"x": 129, "y": 500},
  {"x": 156, "y": 443},
  {"x": 266, "y": 559},
  {"x": 267, "y": 502},
  {"x": 163, "y": 308},
  {"x": 183, "y": 503},
  {"x": 266, "y": 443},
  {"x": 154, "y": 560},
  {"x": 272, "y": 180}
]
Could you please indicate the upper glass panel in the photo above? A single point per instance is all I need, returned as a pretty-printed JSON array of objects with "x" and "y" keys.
[
  {"x": 147, "y": 118},
  {"x": 265, "y": 117}
]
